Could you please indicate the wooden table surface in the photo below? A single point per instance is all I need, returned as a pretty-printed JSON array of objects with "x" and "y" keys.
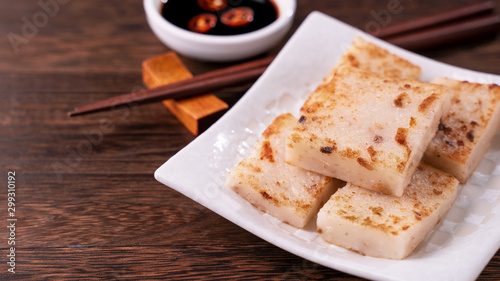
[{"x": 87, "y": 205}]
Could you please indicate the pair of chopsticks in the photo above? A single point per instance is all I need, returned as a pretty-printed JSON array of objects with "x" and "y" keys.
[
  {"x": 200, "y": 84},
  {"x": 462, "y": 23},
  {"x": 466, "y": 22}
]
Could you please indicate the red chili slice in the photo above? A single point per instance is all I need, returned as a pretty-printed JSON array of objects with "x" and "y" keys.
[
  {"x": 237, "y": 17},
  {"x": 202, "y": 23},
  {"x": 212, "y": 5}
]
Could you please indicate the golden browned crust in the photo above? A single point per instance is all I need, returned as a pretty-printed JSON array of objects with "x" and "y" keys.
[
  {"x": 278, "y": 125},
  {"x": 265, "y": 174},
  {"x": 339, "y": 92},
  {"x": 427, "y": 102},
  {"x": 396, "y": 219},
  {"x": 266, "y": 152},
  {"x": 472, "y": 107},
  {"x": 370, "y": 57}
]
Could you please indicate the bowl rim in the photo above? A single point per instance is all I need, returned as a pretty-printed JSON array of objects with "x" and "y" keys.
[{"x": 286, "y": 8}]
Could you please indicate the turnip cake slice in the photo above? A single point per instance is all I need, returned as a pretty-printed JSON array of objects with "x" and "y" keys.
[
  {"x": 466, "y": 129},
  {"x": 366, "y": 129},
  {"x": 385, "y": 226},
  {"x": 370, "y": 57},
  {"x": 289, "y": 193}
]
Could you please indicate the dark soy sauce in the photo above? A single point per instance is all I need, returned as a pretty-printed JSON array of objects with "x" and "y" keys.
[{"x": 220, "y": 17}]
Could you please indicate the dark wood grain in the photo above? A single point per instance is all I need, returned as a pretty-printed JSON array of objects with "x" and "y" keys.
[{"x": 87, "y": 203}]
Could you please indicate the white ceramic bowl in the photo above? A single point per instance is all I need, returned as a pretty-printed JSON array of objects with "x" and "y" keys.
[{"x": 217, "y": 47}]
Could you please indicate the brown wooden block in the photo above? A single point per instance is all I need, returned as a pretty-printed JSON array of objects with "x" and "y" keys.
[{"x": 196, "y": 113}]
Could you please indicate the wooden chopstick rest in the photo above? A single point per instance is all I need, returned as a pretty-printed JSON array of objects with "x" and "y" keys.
[{"x": 195, "y": 113}]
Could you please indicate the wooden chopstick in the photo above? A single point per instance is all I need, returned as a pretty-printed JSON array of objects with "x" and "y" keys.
[
  {"x": 200, "y": 84},
  {"x": 453, "y": 15},
  {"x": 448, "y": 34},
  {"x": 442, "y": 28}
]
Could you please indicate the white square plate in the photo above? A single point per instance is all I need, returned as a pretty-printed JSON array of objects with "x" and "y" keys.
[{"x": 458, "y": 248}]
